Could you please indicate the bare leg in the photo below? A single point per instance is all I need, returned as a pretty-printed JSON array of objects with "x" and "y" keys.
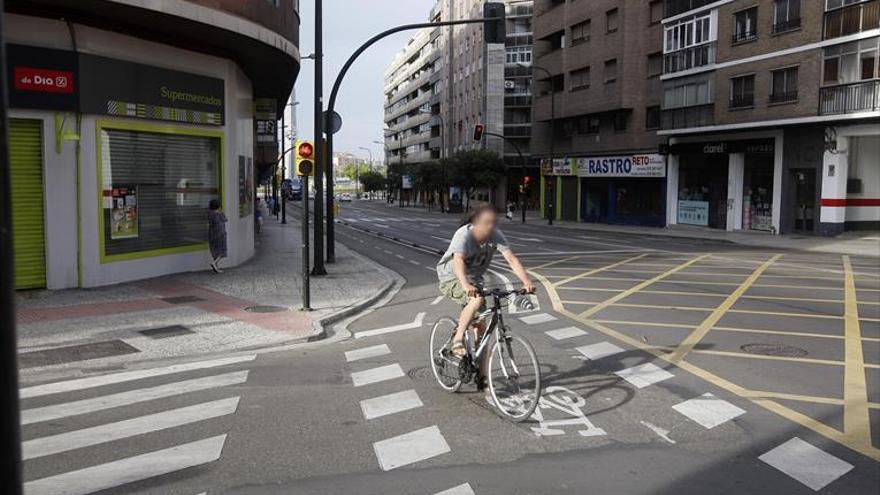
[{"x": 466, "y": 316}]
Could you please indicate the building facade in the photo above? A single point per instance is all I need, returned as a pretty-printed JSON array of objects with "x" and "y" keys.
[
  {"x": 128, "y": 118},
  {"x": 597, "y": 110},
  {"x": 771, "y": 111}
]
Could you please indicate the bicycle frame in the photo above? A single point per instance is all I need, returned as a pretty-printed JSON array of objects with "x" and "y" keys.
[{"x": 496, "y": 321}]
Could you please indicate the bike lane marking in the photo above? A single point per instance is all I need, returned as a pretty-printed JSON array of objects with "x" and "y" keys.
[
  {"x": 410, "y": 448},
  {"x": 376, "y": 375},
  {"x": 367, "y": 352},
  {"x": 463, "y": 489},
  {"x": 806, "y": 463},
  {"x": 420, "y": 318},
  {"x": 565, "y": 333},
  {"x": 708, "y": 411},
  {"x": 390, "y": 404}
]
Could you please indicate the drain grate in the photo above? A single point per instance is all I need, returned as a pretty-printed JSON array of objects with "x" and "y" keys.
[
  {"x": 182, "y": 299},
  {"x": 165, "y": 332},
  {"x": 780, "y": 350},
  {"x": 265, "y": 309},
  {"x": 73, "y": 353},
  {"x": 421, "y": 373}
]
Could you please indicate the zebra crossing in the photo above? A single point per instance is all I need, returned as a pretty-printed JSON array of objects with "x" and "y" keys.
[{"x": 41, "y": 424}]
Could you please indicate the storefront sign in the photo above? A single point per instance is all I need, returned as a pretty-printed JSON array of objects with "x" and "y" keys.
[
  {"x": 725, "y": 147},
  {"x": 41, "y": 78},
  {"x": 126, "y": 89},
  {"x": 693, "y": 212},
  {"x": 561, "y": 166},
  {"x": 647, "y": 165},
  {"x": 123, "y": 213},
  {"x": 405, "y": 182}
]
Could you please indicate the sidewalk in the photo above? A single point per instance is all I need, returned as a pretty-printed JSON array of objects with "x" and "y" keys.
[
  {"x": 68, "y": 332},
  {"x": 864, "y": 243}
]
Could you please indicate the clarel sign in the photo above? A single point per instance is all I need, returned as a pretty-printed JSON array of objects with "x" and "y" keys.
[{"x": 646, "y": 165}]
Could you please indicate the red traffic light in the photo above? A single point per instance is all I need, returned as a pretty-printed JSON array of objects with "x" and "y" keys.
[
  {"x": 306, "y": 150},
  {"x": 478, "y": 132},
  {"x": 527, "y": 180}
]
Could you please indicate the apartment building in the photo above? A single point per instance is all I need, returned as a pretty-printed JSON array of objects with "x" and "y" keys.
[
  {"x": 447, "y": 80},
  {"x": 771, "y": 111},
  {"x": 597, "y": 110}
]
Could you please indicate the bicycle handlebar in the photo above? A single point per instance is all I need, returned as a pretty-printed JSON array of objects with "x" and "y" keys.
[{"x": 501, "y": 293}]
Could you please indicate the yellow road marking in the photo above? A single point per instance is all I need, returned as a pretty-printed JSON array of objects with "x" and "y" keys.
[
  {"x": 551, "y": 263},
  {"x": 602, "y": 269},
  {"x": 739, "y": 311},
  {"x": 785, "y": 412},
  {"x": 763, "y": 394},
  {"x": 633, "y": 290},
  {"x": 591, "y": 288},
  {"x": 826, "y": 362},
  {"x": 856, "y": 420},
  {"x": 733, "y": 329},
  {"x": 586, "y": 303}
]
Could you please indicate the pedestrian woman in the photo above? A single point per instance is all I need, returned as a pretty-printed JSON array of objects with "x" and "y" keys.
[{"x": 216, "y": 234}]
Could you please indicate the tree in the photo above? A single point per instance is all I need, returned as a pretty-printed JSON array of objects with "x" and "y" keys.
[
  {"x": 372, "y": 181},
  {"x": 475, "y": 169},
  {"x": 355, "y": 170}
]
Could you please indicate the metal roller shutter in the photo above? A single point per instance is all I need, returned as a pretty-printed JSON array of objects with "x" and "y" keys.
[{"x": 29, "y": 242}]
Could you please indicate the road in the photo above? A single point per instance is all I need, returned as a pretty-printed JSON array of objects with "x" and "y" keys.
[{"x": 671, "y": 366}]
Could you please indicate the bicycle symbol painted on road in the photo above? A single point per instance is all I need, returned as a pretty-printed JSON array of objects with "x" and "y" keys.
[{"x": 556, "y": 400}]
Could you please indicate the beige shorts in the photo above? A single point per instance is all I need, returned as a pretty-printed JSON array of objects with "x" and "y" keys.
[{"x": 452, "y": 289}]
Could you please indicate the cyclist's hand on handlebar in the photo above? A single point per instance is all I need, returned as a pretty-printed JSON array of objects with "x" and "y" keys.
[
  {"x": 471, "y": 291},
  {"x": 529, "y": 288}
]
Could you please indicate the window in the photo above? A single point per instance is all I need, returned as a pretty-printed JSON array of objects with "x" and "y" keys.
[
  {"x": 745, "y": 25},
  {"x": 850, "y": 17},
  {"x": 786, "y": 15},
  {"x": 652, "y": 117},
  {"x": 690, "y": 32},
  {"x": 620, "y": 120},
  {"x": 519, "y": 55},
  {"x": 611, "y": 20},
  {"x": 580, "y": 79},
  {"x": 656, "y": 11},
  {"x": 851, "y": 62},
  {"x": 742, "y": 91},
  {"x": 158, "y": 186},
  {"x": 655, "y": 64},
  {"x": 688, "y": 94},
  {"x": 590, "y": 125},
  {"x": 580, "y": 32},
  {"x": 611, "y": 70},
  {"x": 784, "y": 85}
]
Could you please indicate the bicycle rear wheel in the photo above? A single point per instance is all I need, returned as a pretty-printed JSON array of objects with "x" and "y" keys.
[
  {"x": 514, "y": 378},
  {"x": 443, "y": 363}
]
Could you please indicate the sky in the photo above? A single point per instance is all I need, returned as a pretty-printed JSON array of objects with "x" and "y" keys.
[{"x": 347, "y": 24}]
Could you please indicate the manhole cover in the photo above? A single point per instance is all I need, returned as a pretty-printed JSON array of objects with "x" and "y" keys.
[
  {"x": 265, "y": 309},
  {"x": 165, "y": 332},
  {"x": 421, "y": 373},
  {"x": 774, "y": 350},
  {"x": 182, "y": 299}
]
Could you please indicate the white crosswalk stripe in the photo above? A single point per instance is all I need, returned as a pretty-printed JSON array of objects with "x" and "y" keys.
[
  {"x": 390, "y": 404},
  {"x": 44, "y": 441},
  {"x": 375, "y": 375},
  {"x": 367, "y": 352},
  {"x": 463, "y": 489},
  {"x": 410, "y": 448},
  {"x": 537, "y": 318}
]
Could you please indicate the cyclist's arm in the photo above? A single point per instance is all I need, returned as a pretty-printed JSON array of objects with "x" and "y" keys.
[
  {"x": 459, "y": 268},
  {"x": 518, "y": 268}
]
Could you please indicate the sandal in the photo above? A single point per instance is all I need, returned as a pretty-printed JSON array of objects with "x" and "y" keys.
[{"x": 458, "y": 350}]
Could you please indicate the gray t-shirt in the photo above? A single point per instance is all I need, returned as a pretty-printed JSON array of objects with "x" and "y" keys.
[{"x": 477, "y": 257}]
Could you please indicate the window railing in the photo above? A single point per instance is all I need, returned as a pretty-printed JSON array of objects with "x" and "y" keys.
[
  {"x": 742, "y": 101},
  {"x": 789, "y": 25},
  {"x": 852, "y": 19},
  {"x": 786, "y": 96},
  {"x": 684, "y": 117},
  {"x": 742, "y": 36},
  {"x": 517, "y": 101},
  {"x": 863, "y": 96},
  {"x": 689, "y": 58}
]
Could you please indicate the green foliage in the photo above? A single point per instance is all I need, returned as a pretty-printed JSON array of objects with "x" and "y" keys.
[{"x": 372, "y": 181}]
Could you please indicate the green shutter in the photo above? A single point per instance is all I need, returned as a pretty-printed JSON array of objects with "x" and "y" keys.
[{"x": 29, "y": 244}]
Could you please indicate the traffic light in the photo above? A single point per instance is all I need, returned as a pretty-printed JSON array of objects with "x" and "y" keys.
[
  {"x": 495, "y": 31},
  {"x": 478, "y": 131},
  {"x": 305, "y": 158},
  {"x": 527, "y": 180}
]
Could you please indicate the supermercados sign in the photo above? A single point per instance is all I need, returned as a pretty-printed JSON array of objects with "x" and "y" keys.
[{"x": 646, "y": 165}]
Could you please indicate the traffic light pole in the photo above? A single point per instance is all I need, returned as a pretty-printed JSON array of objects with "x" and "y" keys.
[
  {"x": 10, "y": 434},
  {"x": 306, "y": 288},
  {"x": 321, "y": 151},
  {"x": 331, "y": 106}
]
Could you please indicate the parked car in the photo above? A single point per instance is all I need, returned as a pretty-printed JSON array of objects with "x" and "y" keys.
[{"x": 345, "y": 198}]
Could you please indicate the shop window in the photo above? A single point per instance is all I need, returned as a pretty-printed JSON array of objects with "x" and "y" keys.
[
  {"x": 745, "y": 25},
  {"x": 580, "y": 79},
  {"x": 155, "y": 190},
  {"x": 612, "y": 20},
  {"x": 786, "y": 15},
  {"x": 580, "y": 33},
  {"x": 611, "y": 70},
  {"x": 742, "y": 91},
  {"x": 784, "y": 85},
  {"x": 652, "y": 117}
]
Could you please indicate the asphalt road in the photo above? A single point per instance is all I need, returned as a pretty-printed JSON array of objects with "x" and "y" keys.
[{"x": 685, "y": 367}]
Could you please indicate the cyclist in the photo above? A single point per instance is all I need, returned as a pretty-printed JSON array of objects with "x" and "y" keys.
[{"x": 462, "y": 267}]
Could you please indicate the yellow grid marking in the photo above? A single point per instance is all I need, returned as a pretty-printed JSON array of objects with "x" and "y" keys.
[
  {"x": 583, "y": 303},
  {"x": 739, "y": 311},
  {"x": 591, "y": 288},
  {"x": 856, "y": 421},
  {"x": 551, "y": 263},
  {"x": 785, "y": 412},
  {"x": 763, "y": 394},
  {"x": 827, "y": 362},
  {"x": 734, "y": 329},
  {"x": 694, "y": 338},
  {"x": 633, "y": 290},
  {"x": 601, "y": 269}
]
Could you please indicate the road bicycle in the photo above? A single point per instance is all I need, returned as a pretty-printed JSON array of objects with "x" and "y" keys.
[{"x": 514, "y": 375}]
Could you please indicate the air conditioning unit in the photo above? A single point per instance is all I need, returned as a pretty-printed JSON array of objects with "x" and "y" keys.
[{"x": 509, "y": 84}]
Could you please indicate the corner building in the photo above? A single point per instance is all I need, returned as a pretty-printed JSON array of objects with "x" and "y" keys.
[{"x": 127, "y": 118}]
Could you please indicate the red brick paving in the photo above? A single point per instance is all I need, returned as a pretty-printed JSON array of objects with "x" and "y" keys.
[{"x": 33, "y": 315}]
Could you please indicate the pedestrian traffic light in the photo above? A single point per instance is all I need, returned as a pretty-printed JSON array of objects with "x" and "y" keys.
[
  {"x": 527, "y": 180},
  {"x": 305, "y": 158},
  {"x": 478, "y": 132},
  {"x": 495, "y": 30}
]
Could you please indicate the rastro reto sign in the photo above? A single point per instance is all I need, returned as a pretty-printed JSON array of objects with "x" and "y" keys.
[{"x": 644, "y": 165}]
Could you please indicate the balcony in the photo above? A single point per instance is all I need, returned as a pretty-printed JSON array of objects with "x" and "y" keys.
[
  {"x": 685, "y": 117},
  {"x": 675, "y": 7},
  {"x": 517, "y": 101},
  {"x": 852, "y": 19},
  {"x": 785, "y": 97},
  {"x": 863, "y": 96},
  {"x": 743, "y": 36},
  {"x": 517, "y": 130},
  {"x": 785, "y": 26},
  {"x": 689, "y": 58}
]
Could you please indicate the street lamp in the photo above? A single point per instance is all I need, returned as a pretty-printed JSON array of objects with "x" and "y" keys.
[{"x": 552, "y": 127}]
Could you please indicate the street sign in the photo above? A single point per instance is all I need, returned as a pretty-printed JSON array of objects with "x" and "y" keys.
[{"x": 332, "y": 122}]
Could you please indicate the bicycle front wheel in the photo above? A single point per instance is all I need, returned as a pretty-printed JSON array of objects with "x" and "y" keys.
[
  {"x": 514, "y": 378},
  {"x": 443, "y": 363}
]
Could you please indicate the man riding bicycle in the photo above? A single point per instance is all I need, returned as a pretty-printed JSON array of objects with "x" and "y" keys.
[{"x": 462, "y": 267}]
